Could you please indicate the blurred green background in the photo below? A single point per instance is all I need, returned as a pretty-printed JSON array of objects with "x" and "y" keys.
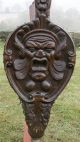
[{"x": 64, "y": 124}]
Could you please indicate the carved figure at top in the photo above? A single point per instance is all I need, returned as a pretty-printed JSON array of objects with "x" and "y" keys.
[
  {"x": 39, "y": 59},
  {"x": 42, "y": 7}
]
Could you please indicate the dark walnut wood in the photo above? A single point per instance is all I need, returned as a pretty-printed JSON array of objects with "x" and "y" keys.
[
  {"x": 42, "y": 7},
  {"x": 39, "y": 59}
]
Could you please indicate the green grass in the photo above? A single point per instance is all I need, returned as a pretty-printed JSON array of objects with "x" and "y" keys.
[{"x": 64, "y": 125}]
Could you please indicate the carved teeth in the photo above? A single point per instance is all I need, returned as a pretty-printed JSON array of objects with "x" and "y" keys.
[{"x": 39, "y": 69}]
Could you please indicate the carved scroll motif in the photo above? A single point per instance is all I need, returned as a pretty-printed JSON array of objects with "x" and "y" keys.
[{"x": 39, "y": 60}]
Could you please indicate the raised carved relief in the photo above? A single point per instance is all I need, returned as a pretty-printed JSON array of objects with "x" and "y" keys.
[
  {"x": 39, "y": 59},
  {"x": 37, "y": 117},
  {"x": 42, "y": 7}
]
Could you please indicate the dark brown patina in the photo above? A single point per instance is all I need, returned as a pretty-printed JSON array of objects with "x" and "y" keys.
[{"x": 39, "y": 59}]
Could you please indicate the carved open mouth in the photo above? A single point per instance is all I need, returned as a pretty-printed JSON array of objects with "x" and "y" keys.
[
  {"x": 39, "y": 68},
  {"x": 39, "y": 64}
]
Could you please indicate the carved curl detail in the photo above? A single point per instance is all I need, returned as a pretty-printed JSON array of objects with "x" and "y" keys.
[{"x": 39, "y": 60}]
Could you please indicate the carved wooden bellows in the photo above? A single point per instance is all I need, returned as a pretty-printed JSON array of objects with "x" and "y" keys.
[{"x": 39, "y": 59}]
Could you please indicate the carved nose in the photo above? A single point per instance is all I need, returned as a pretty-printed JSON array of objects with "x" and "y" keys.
[{"x": 40, "y": 53}]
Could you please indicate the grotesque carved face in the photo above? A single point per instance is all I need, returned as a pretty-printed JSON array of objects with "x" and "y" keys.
[
  {"x": 39, "y": 67},
  {"x": 40, "y": 48},
  {"x": 38, "y": 63}
]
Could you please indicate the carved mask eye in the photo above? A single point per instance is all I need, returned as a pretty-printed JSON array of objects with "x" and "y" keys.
[
  {"x": 49, "y": 46},
  {"x": 49, "y": 49},
  {"x": 31, "y": 49},
  {"x": 31, "y": 46}
]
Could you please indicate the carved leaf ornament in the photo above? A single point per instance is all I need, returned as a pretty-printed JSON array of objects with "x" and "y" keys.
[{"x": 39, "y": 59}]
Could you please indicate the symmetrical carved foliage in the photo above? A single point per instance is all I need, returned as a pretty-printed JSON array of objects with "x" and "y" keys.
[
  {"x": 39, "y": 59},
  {"x": 37, "y": 117}
]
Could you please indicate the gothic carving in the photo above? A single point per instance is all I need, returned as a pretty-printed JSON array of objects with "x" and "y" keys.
[
  {"x": 42, "y": 7},
  {"x": 39, "y": 59},
  {"x": 37, "y": 117}
]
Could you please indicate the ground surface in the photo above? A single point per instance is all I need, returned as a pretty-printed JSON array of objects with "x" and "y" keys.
[{"x": 64, "y": 125}]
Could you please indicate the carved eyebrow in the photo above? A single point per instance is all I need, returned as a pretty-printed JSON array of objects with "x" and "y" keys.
[
  {"x": 49, "y": 44},
  {"x": 31, "y": 44}
]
